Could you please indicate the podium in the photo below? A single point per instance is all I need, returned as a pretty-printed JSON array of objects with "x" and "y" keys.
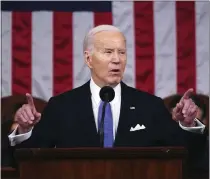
[{"x": 98, "y": 163}]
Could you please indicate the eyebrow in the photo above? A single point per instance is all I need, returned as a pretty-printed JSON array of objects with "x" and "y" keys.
[
  {"x": 113, "y": 49},
  {"x": 108, "y": 49}
]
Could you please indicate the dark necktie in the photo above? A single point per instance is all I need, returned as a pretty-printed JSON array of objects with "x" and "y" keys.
[{"x": 108, "y": 124}]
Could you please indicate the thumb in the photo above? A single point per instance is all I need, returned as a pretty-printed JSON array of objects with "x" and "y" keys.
[{"x": 37, "y": 115}]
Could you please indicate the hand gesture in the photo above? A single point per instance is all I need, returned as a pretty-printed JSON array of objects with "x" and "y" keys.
[
  {"x": 27, "y": 116},
  {"x": 186, "y": 110}
]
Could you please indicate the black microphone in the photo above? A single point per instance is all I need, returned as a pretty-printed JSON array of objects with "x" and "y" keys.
[{"x": 107, "y": 94}]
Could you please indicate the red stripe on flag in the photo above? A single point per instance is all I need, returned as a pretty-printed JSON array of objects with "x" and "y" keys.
[
  {"x": 144, "y": 46},
  {"x": 62, "y": 48},
  {"x": 102, "y": 18},
  {"x": 21, "y": 52},
  {"x": 186, "y": 64}
]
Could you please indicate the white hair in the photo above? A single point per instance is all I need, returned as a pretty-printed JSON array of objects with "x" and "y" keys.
[{"x": 88, "y": 41}]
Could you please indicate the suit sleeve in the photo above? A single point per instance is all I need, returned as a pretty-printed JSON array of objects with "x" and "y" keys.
[{"x": 43, "y": 133}]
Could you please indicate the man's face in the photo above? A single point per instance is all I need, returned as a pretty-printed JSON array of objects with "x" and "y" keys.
[{"x": 108, "y": 60}]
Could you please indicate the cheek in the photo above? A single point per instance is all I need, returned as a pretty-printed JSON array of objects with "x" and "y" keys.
[
  {"x": 101, "y": 66},
  {"x": 123, "y": 64}
]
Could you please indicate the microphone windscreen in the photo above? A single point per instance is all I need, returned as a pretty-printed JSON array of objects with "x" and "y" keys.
[{"x": 107, "y": 94}]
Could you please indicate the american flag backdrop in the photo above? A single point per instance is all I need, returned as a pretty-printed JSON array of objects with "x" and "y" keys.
[{"x": 167, "y": 45}]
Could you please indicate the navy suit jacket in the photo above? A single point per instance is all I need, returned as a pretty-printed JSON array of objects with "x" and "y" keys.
[{"x": 68, "y": 121}]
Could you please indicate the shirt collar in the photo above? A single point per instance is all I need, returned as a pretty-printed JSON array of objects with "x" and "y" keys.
[{"x": 95, "y": 89}]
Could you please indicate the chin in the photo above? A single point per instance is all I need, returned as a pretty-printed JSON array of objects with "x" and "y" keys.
[{"x": 114, "y": 80}]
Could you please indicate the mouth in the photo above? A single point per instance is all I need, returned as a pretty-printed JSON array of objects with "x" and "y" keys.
[{"x": 115, "y": 70}]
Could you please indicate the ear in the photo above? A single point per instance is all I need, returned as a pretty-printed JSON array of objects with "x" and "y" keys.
[{"x": 88, "y": 59}]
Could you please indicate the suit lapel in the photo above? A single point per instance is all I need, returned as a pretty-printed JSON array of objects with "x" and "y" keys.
[
  {"x": 87, "y": 116},
  {"x": 125, "y": 118}
]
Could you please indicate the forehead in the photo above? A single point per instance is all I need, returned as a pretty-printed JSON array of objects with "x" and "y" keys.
[{"x": 109, "y": 39}]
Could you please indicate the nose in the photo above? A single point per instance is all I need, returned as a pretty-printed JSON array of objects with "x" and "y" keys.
[{"x": 116, "y": 58}]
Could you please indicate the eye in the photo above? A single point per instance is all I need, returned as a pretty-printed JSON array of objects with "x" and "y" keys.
[
  {"x": 108, "y": 51},
  {"x": 122, "y": 52}
]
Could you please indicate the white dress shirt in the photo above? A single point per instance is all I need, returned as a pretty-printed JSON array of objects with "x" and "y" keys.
[
  {"x": 115, "y": 104},
  {"x": 115, "y": 107}
]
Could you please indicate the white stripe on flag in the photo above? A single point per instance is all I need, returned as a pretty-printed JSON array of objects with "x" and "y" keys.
[
  {"x": 82, "y": 23},
  {"x": 42, "y": 54},
  {"x": 202, "y": 47},
  {"x": 6, "y": 35},
  {"x": 165, "y": 48},
  {"x": 123, "y": 19}
]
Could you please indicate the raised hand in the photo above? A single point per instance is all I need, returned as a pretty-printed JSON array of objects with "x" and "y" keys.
[
  {"x": 186, "y": 110},
  {"x": 27, "y": 116}
]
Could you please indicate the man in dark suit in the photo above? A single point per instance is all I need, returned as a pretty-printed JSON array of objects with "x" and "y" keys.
[{"x": 135, "y": 118}]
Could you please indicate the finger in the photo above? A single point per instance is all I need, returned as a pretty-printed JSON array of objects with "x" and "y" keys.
[
  {"x": 188, "y": 111},
  {"x": 29, "y": 112},
  {"x": 30, "y": 100},
  {"x": 26, "y": 117},
  {"x": 24, "y": 124},
  {"x": 176, "y": 115},
  {"x": 35, "y": 122},
  {"x": 192, "y": 111},
  {"x": 30, "y": 122},
  {"x": 178, "y": 108},
  {"x": 186, "y": 106},
  {"x": 22, "y": 120},
  {"x": 38, "y": 115},
  {"x": 187, "y": 94}
]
